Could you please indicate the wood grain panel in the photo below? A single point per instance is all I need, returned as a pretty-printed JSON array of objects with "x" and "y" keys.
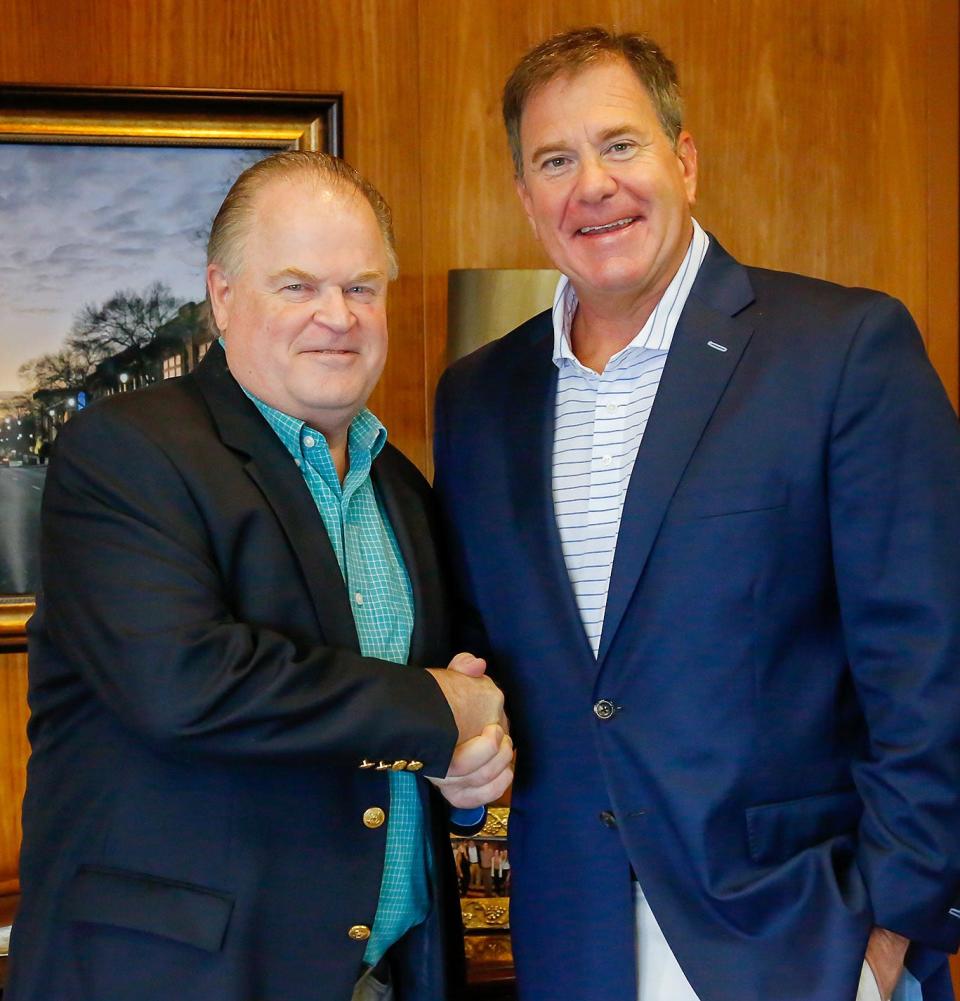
[
  {"x": 943, "y": 196},
  {"x": 13, "y": 756}
]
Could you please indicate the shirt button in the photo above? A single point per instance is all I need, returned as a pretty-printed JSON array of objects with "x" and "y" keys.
[
  {"x": 604, "y": 709},
  {"x": 309, "y": 441},
  {"x": 373, "y": 817},
  {"x": 606, "y": 460},
  {"x": 297, "y": 461},
  {"x": 359, "y": 933},
  {"x": 608, "y": 819},
  {"x": 613, "y": 408},
  {"x": 358, "y": 598}
]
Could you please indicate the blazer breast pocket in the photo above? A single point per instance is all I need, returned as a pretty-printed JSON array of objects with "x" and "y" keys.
[
  {"x": 778, "y": 831},
  {"x": 183, "y": 912},
  {"x": 728, "y": 497}
]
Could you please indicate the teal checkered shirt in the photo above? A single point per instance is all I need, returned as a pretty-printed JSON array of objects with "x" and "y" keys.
[{"x": 382, "y": 602}]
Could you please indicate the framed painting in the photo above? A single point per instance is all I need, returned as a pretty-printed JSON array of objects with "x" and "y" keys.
[{"x": 106, "y": 197}]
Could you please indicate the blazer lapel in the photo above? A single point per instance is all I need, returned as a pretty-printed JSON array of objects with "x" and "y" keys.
[
  {"x": 530, "y": 391},
  {"x": 414, "y": 535},
  {"x": 694, "y": 379},
  {"x": 269, "y": 465}
]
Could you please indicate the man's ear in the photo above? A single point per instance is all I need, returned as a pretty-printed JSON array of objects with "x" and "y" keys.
[
  {"x": 526, "y": 202},
  {"x": 220, "y": 292},
  {"x": 687, "y": 155}
]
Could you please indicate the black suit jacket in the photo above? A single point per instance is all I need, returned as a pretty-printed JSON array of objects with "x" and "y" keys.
[{"x": 193, "y": 824}]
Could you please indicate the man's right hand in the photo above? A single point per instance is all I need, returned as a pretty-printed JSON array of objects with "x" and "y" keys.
[{"x": 474, "y": 699}]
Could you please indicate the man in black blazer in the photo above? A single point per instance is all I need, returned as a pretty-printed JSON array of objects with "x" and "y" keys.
[
  {"x": 233, "y": 664},
  {"x": 708, "y": 517}
]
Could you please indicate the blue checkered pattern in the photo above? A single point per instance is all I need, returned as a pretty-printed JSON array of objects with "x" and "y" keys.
[{"x": 382, "y": 601}]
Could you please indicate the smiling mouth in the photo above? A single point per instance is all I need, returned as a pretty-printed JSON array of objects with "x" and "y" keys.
[{"x": 610, "y": 227}]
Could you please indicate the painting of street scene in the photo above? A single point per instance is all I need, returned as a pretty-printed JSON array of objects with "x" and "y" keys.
[{"x": 101, "y": 292}]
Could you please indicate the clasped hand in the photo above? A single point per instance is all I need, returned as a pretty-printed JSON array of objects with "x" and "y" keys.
[{"x": 481, "y": 768}]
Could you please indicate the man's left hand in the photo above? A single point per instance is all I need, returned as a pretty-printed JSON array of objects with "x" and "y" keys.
[{"x": 886, "y": 951}]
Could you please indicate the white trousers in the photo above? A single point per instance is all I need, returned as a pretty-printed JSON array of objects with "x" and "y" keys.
[{"x": 659, "y": 977}]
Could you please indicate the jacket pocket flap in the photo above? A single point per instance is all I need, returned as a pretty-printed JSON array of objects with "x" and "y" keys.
[
  {"x": 776, "y": 831},
  {"x": 723, "y": 498},
  {"x": 183, "y": 912}
]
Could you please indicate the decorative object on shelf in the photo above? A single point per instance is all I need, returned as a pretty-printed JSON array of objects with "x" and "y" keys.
[{"x": 493, "y": 912}]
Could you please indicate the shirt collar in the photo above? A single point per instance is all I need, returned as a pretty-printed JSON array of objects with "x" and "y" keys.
[
  {"x": 366, "y": 434},
  {"x": 657, "y": 333},
  {"x": 365, "y": 439}
]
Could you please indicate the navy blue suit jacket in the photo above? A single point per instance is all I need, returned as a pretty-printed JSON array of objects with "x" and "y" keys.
[
  {"x": 194, "y": 818},
  {"x": 781, "y": 644}
]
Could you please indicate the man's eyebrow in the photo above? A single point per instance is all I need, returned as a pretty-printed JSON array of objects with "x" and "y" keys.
[
  {"x": 296, "y": 273},
  {"x": 304, "y": 276},
  {"x": 551, "y": 147},
  {"x": 623, "y": 130},
  {"x": 369, "y": 276}
]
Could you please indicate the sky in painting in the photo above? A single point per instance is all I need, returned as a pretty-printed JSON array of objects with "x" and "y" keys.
[{"x": 79, "y": 223}]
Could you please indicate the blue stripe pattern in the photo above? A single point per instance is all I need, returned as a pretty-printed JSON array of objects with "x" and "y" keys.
[{"x": 599, "y": 422}]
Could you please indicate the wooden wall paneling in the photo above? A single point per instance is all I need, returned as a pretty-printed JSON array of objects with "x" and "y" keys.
[
  {"x": 366, "y": 49},
  {"x": 942, "y": 146},
  {"x": 13, "y": 759},
  {"x": 811, "y": 163}
]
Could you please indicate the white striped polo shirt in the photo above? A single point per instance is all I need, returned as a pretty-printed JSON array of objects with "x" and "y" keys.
[{"x": 598, "y": 426}]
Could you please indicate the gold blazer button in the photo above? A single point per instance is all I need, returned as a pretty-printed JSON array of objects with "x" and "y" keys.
[
  {"x": 359, "y": 933},
  {"x": 373, "y": 817},
  {"x": 400, "y": 765},
  {"x": 414, "y": 766}
]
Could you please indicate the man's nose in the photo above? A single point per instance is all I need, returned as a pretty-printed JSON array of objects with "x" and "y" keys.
[
  {"x": 595, "y": 181},
  {"x": 333, "y": 312}
]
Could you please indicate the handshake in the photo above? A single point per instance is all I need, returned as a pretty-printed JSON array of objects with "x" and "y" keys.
[{"x": 481, "y": 768}]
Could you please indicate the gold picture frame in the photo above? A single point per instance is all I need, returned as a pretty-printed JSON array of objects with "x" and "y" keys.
[{"x": 157, "y": 117}]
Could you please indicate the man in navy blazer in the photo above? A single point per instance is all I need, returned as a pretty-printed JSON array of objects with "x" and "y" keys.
[
  {"x": 706, "y": 521},
  {"x": 233, "y": 665}
]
